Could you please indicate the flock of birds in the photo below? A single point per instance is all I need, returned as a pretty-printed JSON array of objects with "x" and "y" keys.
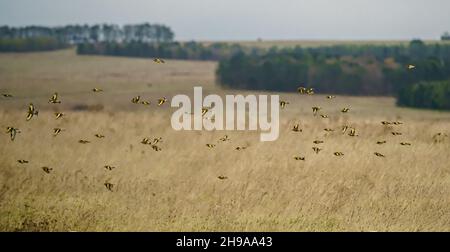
[{"x": 154, "y": 143}]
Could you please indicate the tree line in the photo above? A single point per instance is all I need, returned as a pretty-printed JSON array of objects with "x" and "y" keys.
[
  {"x": 169, "y": 50},
  {"x": 346, "y": 69},
  {"x": 17, "y": 38}
]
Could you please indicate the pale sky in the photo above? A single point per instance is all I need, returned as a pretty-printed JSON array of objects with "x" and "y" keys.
[{"x": 247, "y": 19}]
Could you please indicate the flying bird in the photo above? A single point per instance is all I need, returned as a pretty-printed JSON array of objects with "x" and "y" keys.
[
  {"x": 222, "y": 177},
  {"x": 299, "y": 158},
  {"x": 331, "y": 97},
  {"x": 7, "y": 95},
  {"x": 338, "y": 154},
  {"x": 22, "y": 161},
  {"x": 310, "y": 91},
  {"x": 95, "y": 90},
  {"x": 156, "y": 147},
  {"x": 378, "y": 154},
  {"x": 145, "y": 141},
  {"x": 46, "y": 169},
  {"x": 317, "y": 141},
  {"x": 99, "y": 136},
  {"x": 54, "y": 98},
  {"x": 109, "y": 186},
  {"x": 136, "y": 99},
  {"x": 224, "y": 138},
  {"x": 161, "y": 101},
  {"x": 345, "y": 110},
  {"x": 405, "y": 144},
  {"x": 109, "y": 167},
  {"x": 58, "y": 115},
  {"x": 56, "y": 131},
  {"x": 240, "y": 148},
  {"x": 381, "y": 142},
  {"x": 157, "y": 140},
  {"x": 145, "y": 103},
  {"x": 210, "y": 146},
  {"x": 324, "y": 116},
  {"x": 12, "y": 132},
  {"x": 410, "y": 67},
  {"x": 31, "y": 111},
  {"x": 316, "y": 109},
  {"x": 396, "y": 133},
  {"x": 301, "y": 90},
  {"x": 158, "y": 61},
  {"x": 316, "y": 149},
  {"x": 344, "y": 129},
  {"x": 352, "y": 132},
  {"x": 283, "y": 104},
  {"x": 83, "y": 141},
  {"x": 296, "y": 128}
]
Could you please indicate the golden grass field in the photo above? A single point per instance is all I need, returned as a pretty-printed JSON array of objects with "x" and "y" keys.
[{"x": 177, "y": 189}]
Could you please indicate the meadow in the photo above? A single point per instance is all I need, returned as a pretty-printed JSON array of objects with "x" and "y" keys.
[{"x": 177, "y": 188}]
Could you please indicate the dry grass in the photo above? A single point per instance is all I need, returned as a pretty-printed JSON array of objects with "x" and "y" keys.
[{"x": 177, "y": 188}]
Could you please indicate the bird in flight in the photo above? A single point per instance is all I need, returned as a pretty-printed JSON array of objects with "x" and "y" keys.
[
  {"x": 109, "y": 167},
  {"x": 145, "y": 103},
  {"x": 316, "y": 109},
  {"x": 224, "y": 138},
  {"x": 405, "y": 144},
  {"x": 381, "y": 142},
  {"x": 96, "y": 90},
  {"x": 344, "y": 129},
  {"x": 158, "y": 61},
  {"x": 352, "y": 132},
  {"x": 222, "y": 177},
  {"x": 378, "y": 154},
  {"x": 31, "y": 111},
  {"x": 83, "y": 141},
  {"x": 7, "y": 95},
  {"x": 157, "y": 140},
  {"x": 317, "y": 141},
  {"x": 156, "y": 148},
  {"x": 210, "y": 146},
  {"x": 240, "y": 148},
  {"x": 136, "y": 99},
  {"x": 99, "y": 136},
  {"x": 161, "y": 101},
  {"x": 345, "y": 110},
  {"x": 109, "y": 186},
  {"x": 58, "y": 115},
  {"x": 46, "y": 169},
  {"x": 22, "y": 161},
  {"x": 299, "y": 158},
  {"x": 310, "y": 91},
  {"x": 410, "y": 67},
  {"x": 56, "y": 131},
  {"x": 301, "y": 90},
  {"x": 396, "y": 133},
  {"x": 54, "y": 98},
  {"x": 338, "y": 154},
  {"x": 296, "y": 128},
  {"x": 283, "y": 104},
  {"x": 316, "y": 149},
  {"x": 145, "y": 140},
  {"x": 12, "y": 132},
  {"x": 331, "y": 97}
]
